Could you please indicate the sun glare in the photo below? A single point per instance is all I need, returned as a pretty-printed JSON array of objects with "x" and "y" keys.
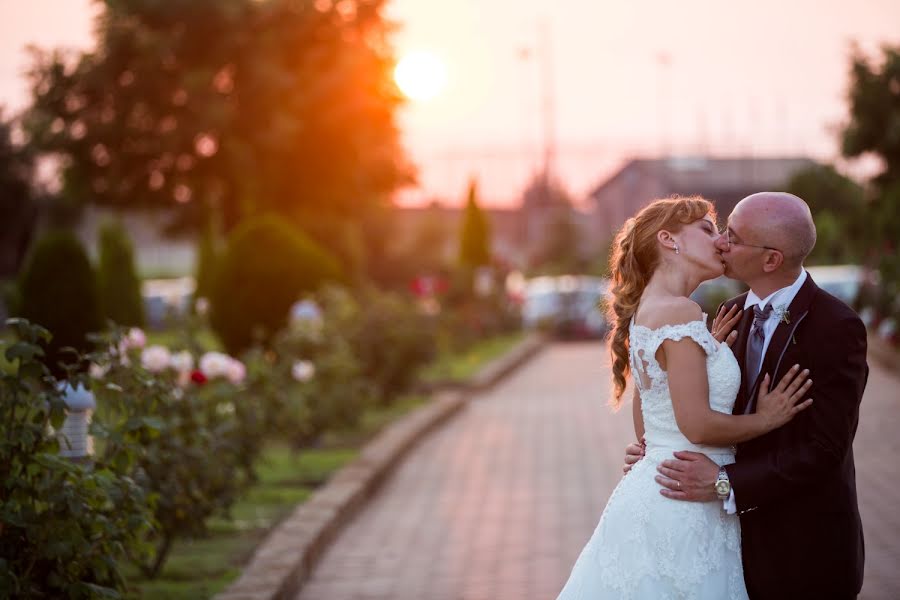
[{"x": 420, "y": 75}]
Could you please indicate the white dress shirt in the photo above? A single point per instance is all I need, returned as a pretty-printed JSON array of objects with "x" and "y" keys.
[{"x": 780, "y": 301}]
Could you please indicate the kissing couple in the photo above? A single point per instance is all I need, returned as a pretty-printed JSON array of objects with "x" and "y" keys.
[{"x": 742, "y": 484}]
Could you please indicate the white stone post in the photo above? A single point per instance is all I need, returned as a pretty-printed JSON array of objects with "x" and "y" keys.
[{"x": 74, "y": 440}]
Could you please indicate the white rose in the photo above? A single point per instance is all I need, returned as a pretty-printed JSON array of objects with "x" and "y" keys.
[
  {"x": 214, "y": 364},
  {"x": 303, "y": 370},
  {"x": 135, "y": 338},
  {"x": 182, "y": 361},
  {"x": 98, "y": 371},
  {"x": 235, "y": 371},
  {"x": 305, "y": 310},
  {"x": 155, "y": 358}
]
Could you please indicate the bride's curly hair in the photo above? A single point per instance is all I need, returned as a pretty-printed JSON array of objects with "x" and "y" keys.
[{"x": 634, "y": 258}]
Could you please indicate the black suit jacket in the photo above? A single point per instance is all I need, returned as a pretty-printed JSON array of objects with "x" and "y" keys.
[{"x": 795, "y": 487}]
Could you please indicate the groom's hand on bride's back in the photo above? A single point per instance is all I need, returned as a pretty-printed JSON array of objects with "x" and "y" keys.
[{"x": 633, "y": 453}]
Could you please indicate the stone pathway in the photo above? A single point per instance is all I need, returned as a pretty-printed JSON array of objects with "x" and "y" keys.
[{"x": 498, "y": 503}]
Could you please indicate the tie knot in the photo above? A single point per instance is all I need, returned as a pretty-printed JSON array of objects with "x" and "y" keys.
[{"x": 762, "y": 315}]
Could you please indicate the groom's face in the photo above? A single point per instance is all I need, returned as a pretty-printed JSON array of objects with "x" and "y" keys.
[{"x": 742, "y": 253}]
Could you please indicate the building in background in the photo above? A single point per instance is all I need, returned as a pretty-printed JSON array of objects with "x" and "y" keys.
[{"x": 724, "y": 181}]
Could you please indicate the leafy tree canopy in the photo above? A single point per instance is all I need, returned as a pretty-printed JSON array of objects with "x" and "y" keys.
[{"x": 241, "y": 105}]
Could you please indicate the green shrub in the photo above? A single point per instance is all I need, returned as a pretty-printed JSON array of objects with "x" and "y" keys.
[
  {"x": 10, "y": 297},
  {"x": 64, "y": 527},
  {"x": 312, "y": 382},
  {"x": 183, "y": 422},
  {"x": 207, "y": 262},
  {"x": 391, "y": 339},
  {"x": 118, "y": 284},
  {"x": 266, "y": 266},
  {"x": 462, "y": 325},
  {"x": 58, "y": 290}
]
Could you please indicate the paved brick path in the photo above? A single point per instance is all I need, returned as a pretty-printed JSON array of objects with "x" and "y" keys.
[{"x": 499, "y": 502}]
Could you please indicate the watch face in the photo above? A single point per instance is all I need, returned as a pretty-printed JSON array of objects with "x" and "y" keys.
[{"x": 722, "y": 487}]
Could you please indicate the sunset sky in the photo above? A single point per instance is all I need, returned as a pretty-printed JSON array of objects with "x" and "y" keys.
[{"x": 632, "y": 78}]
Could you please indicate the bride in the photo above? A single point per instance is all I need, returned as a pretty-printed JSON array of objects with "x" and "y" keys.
[{"x": 686, "y": 379}]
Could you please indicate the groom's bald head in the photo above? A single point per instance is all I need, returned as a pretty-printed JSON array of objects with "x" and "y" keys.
[{"x": 783, "y": 221}]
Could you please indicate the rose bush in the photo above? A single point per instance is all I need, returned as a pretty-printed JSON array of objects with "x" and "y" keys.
[
  {"x": 65, "y": 527},
  {"x": 183, "y": 426}
]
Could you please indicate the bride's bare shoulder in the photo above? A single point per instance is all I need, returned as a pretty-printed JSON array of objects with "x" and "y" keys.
[{"x": 671, "y": 310}]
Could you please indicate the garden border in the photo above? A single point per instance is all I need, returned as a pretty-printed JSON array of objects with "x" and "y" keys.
[{"x": 285, "y": 558}]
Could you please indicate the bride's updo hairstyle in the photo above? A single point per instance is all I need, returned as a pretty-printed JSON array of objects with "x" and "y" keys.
[{"x": 635, "y": 256}]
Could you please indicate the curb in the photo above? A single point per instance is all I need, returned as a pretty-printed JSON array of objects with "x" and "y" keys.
[
  {"x": 283, "y": 561},
  {"x": 881, "y": 351}
]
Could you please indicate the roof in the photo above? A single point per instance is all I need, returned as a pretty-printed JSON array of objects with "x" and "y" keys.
[{"x": 698, "y": 175}]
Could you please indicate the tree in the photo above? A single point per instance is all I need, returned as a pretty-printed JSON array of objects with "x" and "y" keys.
[
  {"x": 551, "y": 226},
  {"x": 235, "y": 105},
  {"x": 475, "y": 236},
  {"x": 429, "y": 240},
  {"x": 874, "y": 99},
  {"x": 16, "y": 199},
  {"x": 838, "y": 207},
  {"x": 874, "y": 129},
  {"x": 118, "y": 283}
]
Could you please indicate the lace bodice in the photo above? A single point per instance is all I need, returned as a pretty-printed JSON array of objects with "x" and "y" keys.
[{"x": 723, "y": 372}]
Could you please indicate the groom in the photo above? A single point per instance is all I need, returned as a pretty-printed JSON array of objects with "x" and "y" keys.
[{"x": 795, "y": 487}]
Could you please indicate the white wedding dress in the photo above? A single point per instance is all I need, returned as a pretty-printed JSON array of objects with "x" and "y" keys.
[{"x": 647, "y": 546}]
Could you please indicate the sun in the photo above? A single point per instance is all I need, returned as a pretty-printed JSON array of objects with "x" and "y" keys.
[{"x": 420, "y": 75}]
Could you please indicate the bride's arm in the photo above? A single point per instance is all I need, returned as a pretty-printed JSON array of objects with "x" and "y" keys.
[
  {"x": 636, "y": 414},
  {"x": 689, "y": 388}
]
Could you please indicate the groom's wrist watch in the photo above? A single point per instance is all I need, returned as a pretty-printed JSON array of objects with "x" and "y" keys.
[{"x": 723, "y": 485}]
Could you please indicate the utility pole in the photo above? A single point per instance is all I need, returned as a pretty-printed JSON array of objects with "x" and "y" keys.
[{"x": 548, "y": 100}]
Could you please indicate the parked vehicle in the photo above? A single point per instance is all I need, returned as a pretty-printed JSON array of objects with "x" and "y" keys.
[
  {"x": 567, "y": 305},
  {"x": 842, "y": 281},
  {"x": 710, "y": 294},
  {"x": 165, "y": 298}
]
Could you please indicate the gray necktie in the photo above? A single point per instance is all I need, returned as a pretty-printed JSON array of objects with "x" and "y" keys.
[{"x": 754, "y": 348}]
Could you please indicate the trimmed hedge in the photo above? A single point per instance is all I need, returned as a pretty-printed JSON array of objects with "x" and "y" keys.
[
  {"x": 118, "y": 284},
  {"x": 59, "y": 291},
  {"x": 207, "y": 262},
  {"x": 266, "y": 267}
]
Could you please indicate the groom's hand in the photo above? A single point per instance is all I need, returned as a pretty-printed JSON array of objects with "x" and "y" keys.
[{"x": 689, "y": 476}]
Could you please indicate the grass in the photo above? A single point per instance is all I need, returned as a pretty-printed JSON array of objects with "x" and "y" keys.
[
  {"x": 456, "y": 367},
  {"x": 203, "y": 567}
]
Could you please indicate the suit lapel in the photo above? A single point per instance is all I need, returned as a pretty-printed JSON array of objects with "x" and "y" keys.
[{"x": 784, "y": 332}]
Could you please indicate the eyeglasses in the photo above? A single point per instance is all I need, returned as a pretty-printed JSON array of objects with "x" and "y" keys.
[{"x": 729, "y": 238}]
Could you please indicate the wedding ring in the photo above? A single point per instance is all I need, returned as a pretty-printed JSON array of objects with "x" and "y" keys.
[{"x": 678, "y": 483}]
